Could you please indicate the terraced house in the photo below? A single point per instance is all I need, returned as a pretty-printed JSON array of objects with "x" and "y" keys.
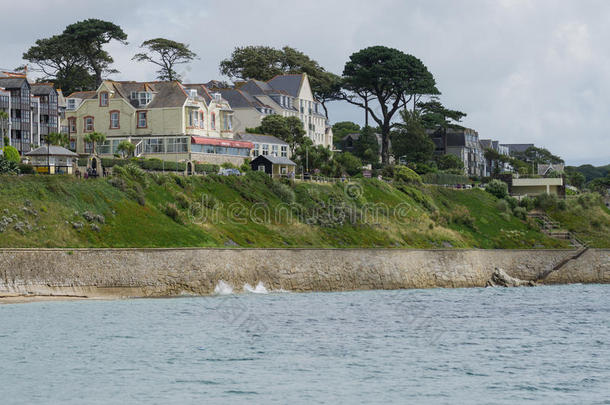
[
  {"x": 286, "y": 95},
  {"x": 164, "y": 120}
]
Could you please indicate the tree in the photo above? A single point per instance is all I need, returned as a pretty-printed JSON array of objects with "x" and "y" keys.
[
  {"x": 288, "y": 129},
  {"x": 406, "y": 175},
  {"x": 535, "y": 156},
  {"x": 3, "y": 126},
  {"x": 436, "y": 116},
  {"x": 349, "y": 163},
  {"x": 264, "y": 62},
  {"x": 126, "y": 148},
  {"x": 493, "y": 160},
  {"x": 343, "y": 128},
  {"x": 450, "y": 162},
  {"x": 387, "y": 75},
  {"x": 11, "y": 154},
  {"x": 166, "y": 54},
  {"x": 575, "y": 178},
  {"x": 94, "y": 137},
  {"x": 310, "y": 157},
  {"x": 61, "y": 62},
  {"x": 366, "y": 147},
  {"x": 89, "y": 37},
  {"x": 410, "y": 139},
  {"x": 497, "y": 188},
  {"x": 56, "y": 138}
]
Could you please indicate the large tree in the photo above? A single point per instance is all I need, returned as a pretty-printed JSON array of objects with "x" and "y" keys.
[
  {"x": 437, "y": 117},
  {"x": 391, "y": 78},
  {"x": 410, "y": 140},
  {"x": 366, "y": 147},
  {"x": 60, "y": 62},
  {"x": 90, "y": 36},
  {"x": 166, "y": 54},
  {"x": 288, "y": 129},
  {"x": 265, "y": 62}
]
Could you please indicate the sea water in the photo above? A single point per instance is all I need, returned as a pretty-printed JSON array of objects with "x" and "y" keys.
[{"x": 546, "y": 345}]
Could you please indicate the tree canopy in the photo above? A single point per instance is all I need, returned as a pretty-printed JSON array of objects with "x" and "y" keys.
[
  {"x": 410, "y": 139},
  {"x": 75, "y": 60},
  {"x": 288, "y": 129},
  {"x": 343, "y": 128},
  {"x": 166, "y": 54},
  {"x": 392, "y": 78},
  {"x": 366, "y": 147}
]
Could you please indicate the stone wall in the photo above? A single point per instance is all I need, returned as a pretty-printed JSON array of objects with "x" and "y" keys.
[{"x": 169, "y": 272}]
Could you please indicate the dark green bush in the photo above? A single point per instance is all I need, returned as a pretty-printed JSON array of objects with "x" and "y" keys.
[
  {"x": 26, "y": 169},
  {"x": 283, "y": 191},
  {"x": 497, "y": 188},
  {"x": 206, "y": 168}
]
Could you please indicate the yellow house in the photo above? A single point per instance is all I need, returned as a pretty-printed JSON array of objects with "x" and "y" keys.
[{"x": 164, "y": 120}]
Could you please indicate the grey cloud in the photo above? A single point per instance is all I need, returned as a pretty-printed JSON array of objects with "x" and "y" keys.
[{"x": 523, "y": 70}]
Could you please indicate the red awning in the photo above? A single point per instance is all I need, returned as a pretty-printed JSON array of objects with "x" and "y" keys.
[{"x": 199, "y": 140}]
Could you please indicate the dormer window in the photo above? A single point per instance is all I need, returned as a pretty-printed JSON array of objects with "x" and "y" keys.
[
  {"x": 142, "y": 97},
  {"x": 104, "y": 99},
  {"x": 71, "y": 104}
]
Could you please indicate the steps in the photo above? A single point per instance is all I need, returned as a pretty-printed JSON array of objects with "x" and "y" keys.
[{"x": 553, "y": 230}]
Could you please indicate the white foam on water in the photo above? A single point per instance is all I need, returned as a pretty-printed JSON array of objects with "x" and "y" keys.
[
  {"x": 223, "y": 288},
  {"x": 259, "y": 289}
]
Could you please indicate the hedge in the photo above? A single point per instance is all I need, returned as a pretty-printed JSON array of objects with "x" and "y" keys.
[
  {"x": 444, "y": 178},
  {"x": 155, "y": 165}
]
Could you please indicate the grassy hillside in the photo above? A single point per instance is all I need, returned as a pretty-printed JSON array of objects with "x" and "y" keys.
[{"x": 135, "y": 209}]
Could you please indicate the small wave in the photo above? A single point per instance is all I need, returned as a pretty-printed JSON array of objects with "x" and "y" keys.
[
  {"x": 259, "y": 289},
  {"x": 223, "y": 288}
]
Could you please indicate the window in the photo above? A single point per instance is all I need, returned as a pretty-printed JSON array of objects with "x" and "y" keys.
[
  {"x": 114, "y": 120},
  {"x": 261, "y": 168},
  {"x": 72, "y": 144},
  {"x": 274, "y": 150},
  {"x": 201, "y": 120},
  {"x": 154, "y": 145},
  {"x": 265, "y": 149},
  {"x": 71, "y": 104},
  {"x": 142, "y": 121},
  {"x": 104, "y": 99},
  {"x": 88, "y": 124},
  {"x": 255, "y": 150},
  {"x": 72, "y": 125},
  {"x": 213, "y": 121},
  {"x": 284, "y": 151},
  {"x": 177, "y": 145}
]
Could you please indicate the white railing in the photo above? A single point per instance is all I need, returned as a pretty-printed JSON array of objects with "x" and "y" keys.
[{"x": 139, "y": 149}]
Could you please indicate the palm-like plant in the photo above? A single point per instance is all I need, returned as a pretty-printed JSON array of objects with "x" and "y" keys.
[
  {"x": 95, "y": 137},
  {"x": 55, "y": 138},
  {"x": 126, "y": 148}
]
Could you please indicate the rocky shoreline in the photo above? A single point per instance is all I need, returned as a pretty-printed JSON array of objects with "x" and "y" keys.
[{"x": 123, "y": 273}]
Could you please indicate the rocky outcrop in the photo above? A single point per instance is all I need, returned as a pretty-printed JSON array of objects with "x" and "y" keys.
[
  {"x": 499, "y": 278},
  {"x": 170, "y": 272}
]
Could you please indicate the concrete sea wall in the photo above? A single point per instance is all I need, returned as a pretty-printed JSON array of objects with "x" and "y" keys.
[{"x": 171, "y": 272}]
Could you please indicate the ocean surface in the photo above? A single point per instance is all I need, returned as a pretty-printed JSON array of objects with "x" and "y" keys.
[{"x": 547, "y": 345}]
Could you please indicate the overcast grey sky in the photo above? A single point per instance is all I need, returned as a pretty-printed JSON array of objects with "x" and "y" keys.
[{"x": 525, "y": 71}]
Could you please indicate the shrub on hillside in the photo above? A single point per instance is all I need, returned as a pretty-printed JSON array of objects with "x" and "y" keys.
[
  {"x": 283, "y": 192},
  {"x": 502, "y": 206},
  {"x": 26, "y": 169},
  {"x": 588, "y": 200},
  {"x": 545, "y": 201},
  {"x": 520, "y": 213},
  {"x": 8, "y": 166},
  {"x": 11, "y": 154},
  {"x": 497, "y": 188},
  {"x": 406, "y": 175},
  {"x": 172, "y": 211},
  {"x": 182, "y": 200},
  {"x": 528, "y": 203}
]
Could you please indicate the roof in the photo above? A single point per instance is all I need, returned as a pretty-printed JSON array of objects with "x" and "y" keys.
[
  {"x": 83, "y": 94},
  {"x": 240, "y": 99},
  {"x": 290, "y": 84},
  {"x": 39, "y": 89},
  {"x": 276, "y": 160},
  {"x": 54, "y": 151},
  {"x": 261, "y": 138},
  {"x": 518, "y": 147},
  {"x": 486, "y": 143},
  {"x": 201, "y": 140},
  {"x": 12, "y": 82}
]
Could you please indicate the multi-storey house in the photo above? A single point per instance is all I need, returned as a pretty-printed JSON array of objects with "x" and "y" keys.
[
  {"x": 286, "y": 95},
  {"x": 463, "y": 143},
  {"x": 20, "y": 133},
  {"x": 46, "y": 109},
  {"x": 164, "y": 120},
  {"x": 500, "y": 149}
]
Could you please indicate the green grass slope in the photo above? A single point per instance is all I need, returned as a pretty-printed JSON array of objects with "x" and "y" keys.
[{"x": 135, "y": 209}]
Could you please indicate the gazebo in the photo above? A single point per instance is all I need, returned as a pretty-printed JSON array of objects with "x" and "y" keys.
[{"x": 52, "y": 160}]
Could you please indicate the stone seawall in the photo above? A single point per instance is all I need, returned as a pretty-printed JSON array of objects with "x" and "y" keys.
[{"x": 171, "y": 272}]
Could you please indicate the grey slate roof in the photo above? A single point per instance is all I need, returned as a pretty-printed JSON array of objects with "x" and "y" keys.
[
  {"x": 41, "y": 89},
  {"x": 277, "y": 160},
  {"x": 12, "y": 82},
  {"x": 240, "y": 99},
  {"x": 54, "y": 151},
  {"x": 486, "y": 143},
  {"x": 518, "y": 147},
  {"x": 290, "y": 84},
  {"x": 261, "y": 138}
]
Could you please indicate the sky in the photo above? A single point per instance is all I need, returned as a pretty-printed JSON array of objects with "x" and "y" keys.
[{"x": 525, "y": 71}]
